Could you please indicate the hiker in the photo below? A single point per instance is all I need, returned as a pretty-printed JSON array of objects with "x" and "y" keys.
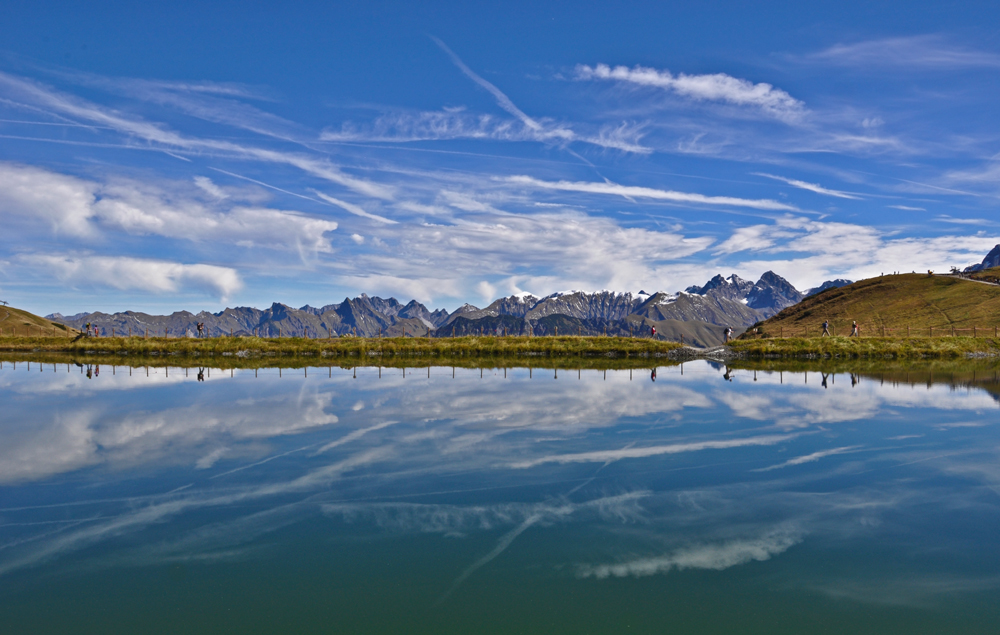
[
  {"x": 88, "y": 329},
  {"x": 855, "y": 329},
  {"x": 201, "y": 329},
  {"x": 826, "y": 329},
  {"x": 728, "y": 334},
  {"x": 653, "y": 332}
]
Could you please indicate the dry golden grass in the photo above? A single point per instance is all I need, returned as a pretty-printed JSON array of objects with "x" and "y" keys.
[{"x": 907, "y": 305}]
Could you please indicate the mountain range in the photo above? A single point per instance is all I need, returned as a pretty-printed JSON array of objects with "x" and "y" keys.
[
  {"x": 698, "y": 315},
  {"x": 991, "y": 260}
]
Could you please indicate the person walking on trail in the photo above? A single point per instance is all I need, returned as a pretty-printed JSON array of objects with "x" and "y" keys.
[
  {"x": 728, "y": 334},
  {"x": 653, "y": 332},
  {"x": 855, "y": 329},
  {"x": 201, "y": 329},
  {"x": 88, "y": 329},
  {"x": 826, "y": 329}
]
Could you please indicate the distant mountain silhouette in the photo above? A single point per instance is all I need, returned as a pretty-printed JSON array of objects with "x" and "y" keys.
[{"x": 698, "y": 315}]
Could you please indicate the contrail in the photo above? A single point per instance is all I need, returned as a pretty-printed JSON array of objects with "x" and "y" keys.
[{"x": 501, "y": 546}]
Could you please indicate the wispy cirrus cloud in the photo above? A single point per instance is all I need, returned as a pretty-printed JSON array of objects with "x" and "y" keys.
[
  {"x": 717, "y": 87},
  {"x": 407, "y": 127},
  {"x": 65, "y": 105},
  {"x": 812, "y": 187},
  {"x": 930, "y": 52},
  {"x": 631, "y": 191},
  {"x": 540, "y": 130}
]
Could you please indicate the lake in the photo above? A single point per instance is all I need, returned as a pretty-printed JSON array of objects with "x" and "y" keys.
[{"x": 689, "y": 499}]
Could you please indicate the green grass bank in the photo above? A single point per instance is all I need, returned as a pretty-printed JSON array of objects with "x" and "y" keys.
[{"x": 247, "y": 352}]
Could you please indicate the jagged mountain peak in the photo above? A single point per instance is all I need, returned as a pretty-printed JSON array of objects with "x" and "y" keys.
[
  {"x": 829, "y": 284},
  {"x": 991, "y": 260}
]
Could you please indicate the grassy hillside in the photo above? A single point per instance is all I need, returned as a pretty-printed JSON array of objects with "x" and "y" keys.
[
  {"x": 988, "y": 275},
  {"x": 17, "y": 322},
  {"x": 888, "y": 305}
]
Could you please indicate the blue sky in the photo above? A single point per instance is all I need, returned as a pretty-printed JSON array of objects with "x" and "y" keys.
[{"x": 193, "y": 157}]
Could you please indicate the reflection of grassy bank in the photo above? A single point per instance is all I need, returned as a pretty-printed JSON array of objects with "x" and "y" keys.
[
  {"x": 249, "y": 352},
  {"x": 967, "y": 373},
  {"x": 867, "y": 347},
  {"x": 938, "y": 367}
]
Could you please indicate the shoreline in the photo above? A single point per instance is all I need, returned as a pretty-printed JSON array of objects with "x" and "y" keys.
[{"x": 561, "y": 352}]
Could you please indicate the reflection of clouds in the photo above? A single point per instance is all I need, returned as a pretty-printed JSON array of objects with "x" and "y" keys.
[
  {"x": 912, "y": 591},
  {"x": 801, "y": 406},
  {"x": 458, "y": 520},
  {"x": 519, "y": 403},
  {"x": 604, "y": 456},
  {"x": 809, "y": 458},
  {"x": 465, "y": 439},
  {"x": 705, "y": 556},
  {"x": 39, "y": 449},
  {"x": 39, "y": 441}
]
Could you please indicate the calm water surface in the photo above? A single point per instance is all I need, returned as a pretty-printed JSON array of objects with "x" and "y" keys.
[{"x": 591, "y": 502}]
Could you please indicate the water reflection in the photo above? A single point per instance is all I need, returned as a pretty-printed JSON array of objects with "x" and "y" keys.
[{"x": 784, "y": 488}]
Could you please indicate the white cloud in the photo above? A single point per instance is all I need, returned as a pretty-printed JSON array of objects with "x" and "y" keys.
[
  {"x": 154, "y": 276},
  {"x": 842, "y": 250},
  {"x": 812, "y": 187},
  {"x": 710, "y": 87},
  {"x": 715, "y": 557},
  {"x": 80, "y": 208},
  {"x": 209, "y": 187},
  {"x": 630, "y": 191},
  {"x": 65, "y": 203},
  {"x": 547, "y": 250}
]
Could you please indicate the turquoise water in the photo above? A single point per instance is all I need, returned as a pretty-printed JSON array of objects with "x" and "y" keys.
[{"x": 331, "y": 500}]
